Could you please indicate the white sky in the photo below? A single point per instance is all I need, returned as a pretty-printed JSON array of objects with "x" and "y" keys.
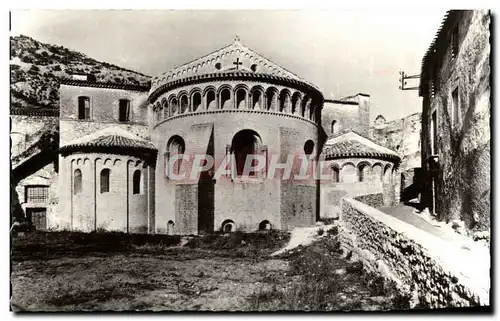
[{"x": 343, "y": 52}]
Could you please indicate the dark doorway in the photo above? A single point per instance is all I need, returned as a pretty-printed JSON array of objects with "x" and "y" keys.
[{"x": 38, "y": 217}]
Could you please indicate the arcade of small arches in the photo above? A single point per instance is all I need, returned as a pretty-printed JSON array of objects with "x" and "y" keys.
[
  {"x": 105, "y": 174},
  {"x": 362, "y": 171},
  {"x": 238, "y": 97}
]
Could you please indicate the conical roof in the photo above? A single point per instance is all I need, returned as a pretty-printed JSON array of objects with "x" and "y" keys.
[
  {"x": 351, "y": 144},
  {"x": 111, "y": 137},
  {"x": 235, "y": 57}
]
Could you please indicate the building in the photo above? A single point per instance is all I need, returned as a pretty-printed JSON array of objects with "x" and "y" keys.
[
  {"x": 455, "y": 87},
  {"x": 126, "y": 152},
  {"x": 358, "y": 167}
]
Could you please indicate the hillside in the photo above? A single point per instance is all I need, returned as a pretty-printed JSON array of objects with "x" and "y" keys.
[{"x": 36, "y": 69}]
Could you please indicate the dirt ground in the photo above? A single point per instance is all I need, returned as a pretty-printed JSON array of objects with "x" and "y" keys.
[{"x": 230, "y": 276}]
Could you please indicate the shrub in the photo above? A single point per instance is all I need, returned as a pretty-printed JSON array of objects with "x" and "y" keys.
[{"x": 321, "y": 231}]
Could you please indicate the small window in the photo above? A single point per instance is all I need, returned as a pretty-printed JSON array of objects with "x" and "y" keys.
[
  {"x": 433, "y": 133},
  {"x": 361, "y": 172},
  {"x": 336, "y": 174},
  {"x": 456, "y": 107},
  {"x": 77, "y": 182},
  {"x": 454, "y": 42},
  {"x": 36, "y": 194},
  {"x": 309, "y": 147},
  {"x": 136, "y": 184},
  {"x": 333, "y": 129},
  {"x": 124, "y": 110},
  {"x": 105, "y": 180},
  {"x": 83, "y": 108}
]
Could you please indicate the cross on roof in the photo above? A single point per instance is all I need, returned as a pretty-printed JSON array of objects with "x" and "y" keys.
[
  {"x": 237, "y": 38},
  {"x": 237, "y": 63}
]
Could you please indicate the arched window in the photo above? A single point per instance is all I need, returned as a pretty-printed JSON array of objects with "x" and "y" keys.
[
  {"x": 196, "y": 101},
  {"x": 173, "y": 107},
  {"x": 272, "y": 97},
  {"x": 184, "y": 104},
  {"x": 363, "y": 170},
  {"x": 83, "y": 107},
  {"x": 284, "y": 102},
  {"x": 228, "y": 226},
  {"x": 124, "y": 110},
  {"x": 77, "y": 181},
  {"x": 137, "y": 182},
  {"x": 303, "y": 107},
  {"x": 295, "y": 103},
  {"x": 165, "y": 109},
  {"x": 175, "y": 146},
  {"x": 336, "y": 174},
  {"x": 225, "y": 98},
  {"x": 246, "y": 142},
  {"x": 256, "y": 99},
  {"x": 265, "y": 225},
  {"x": 170, "y": 227},
  {"x": 333, "y": 129},
  {"x": 210, "y": 100},
  {"x": 241, "y": 99},
  {"x": 105, "y": 180},
  {"x": 309, "y": 147}
]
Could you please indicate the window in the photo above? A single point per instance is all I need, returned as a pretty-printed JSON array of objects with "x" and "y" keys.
[
  {"x": 241, "y": 99},
  {"x": 336, "y": 174},
  {"x": 36, "y": 194},
  {"x": 245, "y": 143},
  {"x": 361, "y": 172},
  {"x": 225, "y": 97},
  {"x": 454, "y": 42},
  {"x": 77, "y": 181},
  {"x": 105, "y": 180},
  {"x": 83, "y": 108},
  {"x": 175, "y": 146},
  {"x": 309, "y": 147},
  {"x": 184, "y": 104},
  {"x": 333, "y": 129},
  {"x": 136, "y": 182},
  {"x": 124, "y": 110},
  {"x": 196, "y": 101},
  {"x": 433, "y": 133},
  {"x": 455, "y": 116}
]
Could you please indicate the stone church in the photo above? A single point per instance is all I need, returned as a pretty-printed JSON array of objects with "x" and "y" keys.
[{"x": 116, "y": 143}]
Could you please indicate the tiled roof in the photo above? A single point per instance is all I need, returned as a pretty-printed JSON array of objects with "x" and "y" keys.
[
  {"x": 352, "y": 144},
  {"x": 95, "y": 84},
  {"x": 114, "y": 137},
  {"x": 439, "y": 38}
]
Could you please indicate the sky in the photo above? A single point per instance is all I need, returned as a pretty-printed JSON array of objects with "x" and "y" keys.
[{"x": 343, "y": 52}]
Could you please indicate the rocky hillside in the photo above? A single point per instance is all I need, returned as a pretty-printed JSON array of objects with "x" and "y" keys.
[{"x": 36, "y": 69}]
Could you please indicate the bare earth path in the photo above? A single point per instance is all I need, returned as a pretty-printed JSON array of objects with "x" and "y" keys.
[{"x": 219, "y": 273}]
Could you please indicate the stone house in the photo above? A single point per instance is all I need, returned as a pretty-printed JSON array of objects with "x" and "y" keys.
[
  {"x": 117, "y": 144},
  {"x": 456, "y": 132}
]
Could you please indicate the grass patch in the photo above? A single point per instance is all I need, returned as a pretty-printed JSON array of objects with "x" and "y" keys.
[{"x": 325, "y": 281}]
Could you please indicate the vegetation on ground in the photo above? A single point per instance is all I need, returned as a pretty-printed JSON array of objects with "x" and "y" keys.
[{"x": 70, "y": 271}]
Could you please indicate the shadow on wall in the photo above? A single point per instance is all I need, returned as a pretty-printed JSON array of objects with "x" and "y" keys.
[
  {"x": 206, "y": 194},
  {"x": 410, "y": 192}
]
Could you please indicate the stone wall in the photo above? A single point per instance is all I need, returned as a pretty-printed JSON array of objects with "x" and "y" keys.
[
  {"x": 461, "y": 188},
  {"x": 349, "y": 114},
  {"x": 118, "y": 209},
  {"x": 374, "y": 200},
  {"x": 46, "y": 176},
  {"x": 380, "y": 178},
  {"x": 436, "y": 272},
  {"x": 402, "y": 136},
  {"x": 246, "y": 202}
]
